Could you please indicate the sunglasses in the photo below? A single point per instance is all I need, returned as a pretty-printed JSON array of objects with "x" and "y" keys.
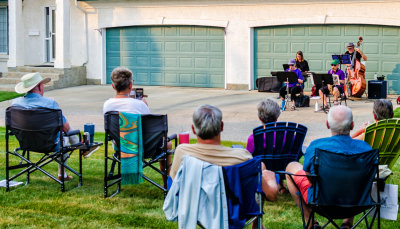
[
  {"x": 291, "y": 64},
  {"x": 333, "y": 64}
]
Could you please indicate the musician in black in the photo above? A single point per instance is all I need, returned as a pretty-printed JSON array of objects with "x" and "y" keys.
[
  {"x": 359, "y": 54},
  {"x": 301, "y": 63}
]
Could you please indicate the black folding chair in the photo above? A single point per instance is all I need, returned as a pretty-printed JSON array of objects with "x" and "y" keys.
[
  {"x": 342, "y": 187},
  {"x": 38, "y": 130},
  {"x": 154, "y": 130}
]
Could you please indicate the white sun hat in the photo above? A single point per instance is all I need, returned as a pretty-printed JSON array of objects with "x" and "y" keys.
[{"x": 29, "y": 81}]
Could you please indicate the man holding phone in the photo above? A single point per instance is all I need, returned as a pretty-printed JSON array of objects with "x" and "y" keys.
[{"x": 122, "y": 83}]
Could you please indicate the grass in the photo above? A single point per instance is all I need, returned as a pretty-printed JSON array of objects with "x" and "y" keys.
[
  {"x": 5, "y": 95},
  {"x": 42, "y": 205},
  {"x": 397, "y": 113}
]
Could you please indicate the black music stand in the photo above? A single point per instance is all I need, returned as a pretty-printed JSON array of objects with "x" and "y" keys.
[
  {"x": 323, "y": 80},
  {"x": 285, "y": 66},
  {"x": 343, "y": 59},
  {"x": 290, "y": 77}
]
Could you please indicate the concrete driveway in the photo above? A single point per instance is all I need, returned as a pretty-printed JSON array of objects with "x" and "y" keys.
[{"x": 84, "y": 104}]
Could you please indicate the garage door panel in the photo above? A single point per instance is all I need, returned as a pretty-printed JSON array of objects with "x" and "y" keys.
[
  {"x": 333, "y": 47},
  {"x": 332, "y": 30},
  {"x": 281, "y": 47},
  {"x": 281, "y": 32},
  {"x": 370, "y": 48},
  {"x": 390, "y": 32},
  {"x": 390, "y": 48},
  {"x": 372, "y": 66},
  {"x": 316, "y": 47},
  {"x": 141, "y": 77},
  {"x": 369, "y": 31},
  {"x": 381, "y": 45},
  {"x": 298, "y": 31}
]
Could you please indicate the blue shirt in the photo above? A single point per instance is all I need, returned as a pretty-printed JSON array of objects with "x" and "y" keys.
[
  {"x": 336, "y": 144},
  {"x": 34, "y": 100},
  {"x": 299, "y": 76}
]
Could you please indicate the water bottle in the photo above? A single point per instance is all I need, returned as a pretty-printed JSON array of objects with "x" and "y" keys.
[
  {"x": 375, "y": 76},
  {"x": 316, "y": 105},
  {"x": 283, "y": 105}
]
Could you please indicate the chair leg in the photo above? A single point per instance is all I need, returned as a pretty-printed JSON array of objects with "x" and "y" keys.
[
  {"x": 7, "y": 171},
  {"x": 28, "y": 172},
  {"x": 62, "y": 173},
  {"x": 80, "y": 169}
]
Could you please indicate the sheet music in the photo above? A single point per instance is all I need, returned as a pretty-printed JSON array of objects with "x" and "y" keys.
[{"x": 335, "y": 79}]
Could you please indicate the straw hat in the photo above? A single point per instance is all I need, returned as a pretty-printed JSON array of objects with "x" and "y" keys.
[{"x": 29, "y": 81}]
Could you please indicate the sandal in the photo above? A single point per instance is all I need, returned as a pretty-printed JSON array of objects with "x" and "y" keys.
[
  {"x": 292, "y": 108},
  {"x": 335, "y": 102},
  {"x": 346, "y": 226},
  {"x": 316, "y": 225}
]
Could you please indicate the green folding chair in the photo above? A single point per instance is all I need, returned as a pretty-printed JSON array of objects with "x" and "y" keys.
[{"x": 384, "y": 135}]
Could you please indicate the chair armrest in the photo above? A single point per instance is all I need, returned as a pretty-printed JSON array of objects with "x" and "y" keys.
[
  {"x": 72, "y": 132},
  {"x": 175, "y": 138},
  {"x": 172, "y": 137},
  {"x": 291, "y": 174},
  {"x": 237, "y": 146}
]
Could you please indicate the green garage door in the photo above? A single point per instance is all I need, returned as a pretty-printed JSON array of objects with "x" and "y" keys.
[
  {"x": 168, "y": 55},
  {"x": 274, "y": 46}
]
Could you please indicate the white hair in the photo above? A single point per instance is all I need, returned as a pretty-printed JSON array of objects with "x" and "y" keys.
[{"x": 340, "y": 119}]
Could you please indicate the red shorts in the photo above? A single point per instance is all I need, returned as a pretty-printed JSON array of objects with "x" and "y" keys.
[{"x": 303, "y": 183}]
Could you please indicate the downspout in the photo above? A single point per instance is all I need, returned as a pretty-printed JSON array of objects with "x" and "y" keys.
[{"x": 86, "y": 33}]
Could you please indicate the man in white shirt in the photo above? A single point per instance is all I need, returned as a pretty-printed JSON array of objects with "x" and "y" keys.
[{"x": 122, "y": 102}]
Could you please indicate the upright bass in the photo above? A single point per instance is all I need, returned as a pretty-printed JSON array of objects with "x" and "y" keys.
[{"x": 356, "y": 75}]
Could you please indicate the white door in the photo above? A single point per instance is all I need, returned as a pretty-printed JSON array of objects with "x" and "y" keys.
[{"x": 50, "y": 35}]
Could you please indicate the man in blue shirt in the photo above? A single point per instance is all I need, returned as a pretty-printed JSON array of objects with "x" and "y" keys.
[
  {"x": 340, "y": 122},
  {"x": 33, "y": 85},
  {"x": 294, "y": 88}
]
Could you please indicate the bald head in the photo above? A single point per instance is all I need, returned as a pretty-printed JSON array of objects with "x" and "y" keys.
[{"x": 340, "y": 120}]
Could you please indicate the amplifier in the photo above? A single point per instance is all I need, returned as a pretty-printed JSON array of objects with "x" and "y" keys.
[{"x": 377, "y": 89}]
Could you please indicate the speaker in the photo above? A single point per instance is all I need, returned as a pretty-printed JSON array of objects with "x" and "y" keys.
[{"x": 377, "y": 89}]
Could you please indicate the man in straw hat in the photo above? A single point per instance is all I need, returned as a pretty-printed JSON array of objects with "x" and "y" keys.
[{"x": 33, "y": 85}]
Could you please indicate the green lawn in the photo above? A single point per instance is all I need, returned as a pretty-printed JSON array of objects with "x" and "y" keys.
[
  {"x": 397, "y": 113},
  {"x": 41, "y": 203},
  {"x": 5, "y": 95}
]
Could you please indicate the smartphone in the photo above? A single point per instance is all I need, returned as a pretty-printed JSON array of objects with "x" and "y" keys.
[{"x": 139, "y": 93}]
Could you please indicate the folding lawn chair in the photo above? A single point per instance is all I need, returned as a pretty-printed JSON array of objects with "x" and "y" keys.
[
  {"x": 38, "y": 130},
  {"x": 384, "y": 135},
  {"x": 192, "y": 199},
  {"x": 342, "y": 187},
  {"x": 280, "y": 143},
  {"x": 154, "y": 130}
]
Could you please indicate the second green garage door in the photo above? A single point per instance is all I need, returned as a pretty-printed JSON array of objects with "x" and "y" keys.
[
  {"x": 168, "y": 55},
  {"x": 274, "y": 46}
]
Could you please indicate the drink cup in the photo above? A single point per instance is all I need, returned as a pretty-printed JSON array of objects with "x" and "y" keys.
[
  {"x": 89, "y": 127},
  {"x": 184, "y": 138}
]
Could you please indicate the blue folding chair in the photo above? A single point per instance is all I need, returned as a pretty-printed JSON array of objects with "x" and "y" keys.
[
  {"x": 280, "y": 143},
  {"x": 243, "y": 195},
  {"x": 341, "y": 187},
  {"x": 243, "y": 190}
]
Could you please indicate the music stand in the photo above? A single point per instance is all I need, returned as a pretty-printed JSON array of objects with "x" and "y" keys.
[
  {"x": 289, "y": 77},
  {"x": 343, "y": 59},
  {"x": 285, "y": 66},
  {"x": 323, "y": 80}
]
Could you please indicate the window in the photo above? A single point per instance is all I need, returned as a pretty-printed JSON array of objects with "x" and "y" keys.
[{"x": 3, "y": 30}]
